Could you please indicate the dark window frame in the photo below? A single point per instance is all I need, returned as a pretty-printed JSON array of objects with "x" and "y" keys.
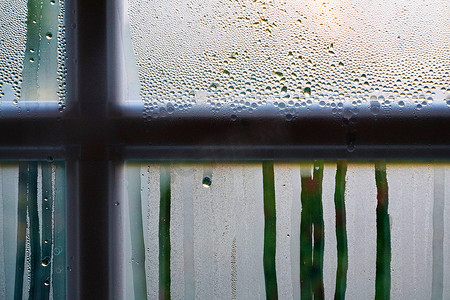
[{"x": 96, "y": 133}]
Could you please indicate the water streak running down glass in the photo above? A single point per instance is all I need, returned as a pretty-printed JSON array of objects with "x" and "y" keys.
[
  {"x": 32, "y": 231},
  {"x": 287, "y": 231}
]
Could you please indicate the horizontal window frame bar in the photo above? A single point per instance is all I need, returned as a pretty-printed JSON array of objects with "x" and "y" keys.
[
  {"x": 407, "y": 153},
  {"x": 30, "y": 110},
  {"x": 41, "y": 129},
  {"x": 48, "y": 154},
  {"x": 248, "y": 154}
]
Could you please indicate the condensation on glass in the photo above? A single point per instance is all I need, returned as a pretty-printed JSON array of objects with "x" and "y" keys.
[
  {"x": 360, "y": 231},
  {"x": 32, "y": 51},
  {"x": 32, "y": 231},
  {"x": 32, "y": 200},
  {"x": 290, "y": 54}
]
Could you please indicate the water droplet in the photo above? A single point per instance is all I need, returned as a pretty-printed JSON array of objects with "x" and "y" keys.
[
  {"x": 49, "y": 36},
  {"x": 116, "y": 203},
  {"x": 307, "y": 91},
  {"x": 47, "y": 282},
  {"x": 45, "y": 261},
  {"x": 350, "y": 147},
  {"x": 57, "y": 251},
  {"x": 375, "y": 107},
  {"x": 206, "y": 182},
  {"x": 348, "y": 113},
  {"x": 279, "y": 74}
]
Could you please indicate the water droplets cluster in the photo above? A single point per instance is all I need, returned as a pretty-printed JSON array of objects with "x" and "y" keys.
[
  {"x": 289, "y": 54},
  {"x": 62, "y": 55},
  {"x": 13, "y": 15},
  {"x": 20, "y": 58}
]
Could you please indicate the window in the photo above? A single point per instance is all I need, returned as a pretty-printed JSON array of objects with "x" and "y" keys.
[
  {"x": 32, "y": 214},
  {"x": 99, "y": 126}
]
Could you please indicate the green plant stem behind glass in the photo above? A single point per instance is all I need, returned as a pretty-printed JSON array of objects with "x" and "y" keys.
[
  {"x": 341, "y": 231},
  {"x": 312, "y": 229},
  {"x": 383, "y": 272},
  {"x": 270, "y": 231}
]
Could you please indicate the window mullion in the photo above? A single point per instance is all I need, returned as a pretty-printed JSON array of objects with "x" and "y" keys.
[
  {"x": 89, "y": 249},
  {"x": 316, "y": 133}
]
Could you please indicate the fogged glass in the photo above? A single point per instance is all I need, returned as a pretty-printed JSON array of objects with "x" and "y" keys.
[
  {"x": 32, "y": 231},
  {"x": 251, "y": 231},
  {"x": 32, "y": 50},
  {"x": 291, "y": 54}
]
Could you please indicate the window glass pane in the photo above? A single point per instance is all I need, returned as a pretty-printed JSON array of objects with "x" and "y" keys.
[
  {"x": 32, "y": 231},
  {"x": 32, "y": 50},
  {"x": 246, "y": 231},
  {"x": 291, "y": 53}
]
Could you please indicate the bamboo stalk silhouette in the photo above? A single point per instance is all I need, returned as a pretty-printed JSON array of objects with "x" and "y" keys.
[
  {"x": 270, "y": 230},
  {"x": 59, "y": 232},
  {"x": 47, "y": 230},
  {"x": 312, "y": 229},
  {"x": 383, "y": 262},
  {"x": 341, "y": 231},
  {"x": 164, "y": 234},
  {"x": 28, "y": 171},
  {"x": 39, "y": 64},
  {"x": 21, "y": 228},
  {"x": 41, "y": 254}
]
